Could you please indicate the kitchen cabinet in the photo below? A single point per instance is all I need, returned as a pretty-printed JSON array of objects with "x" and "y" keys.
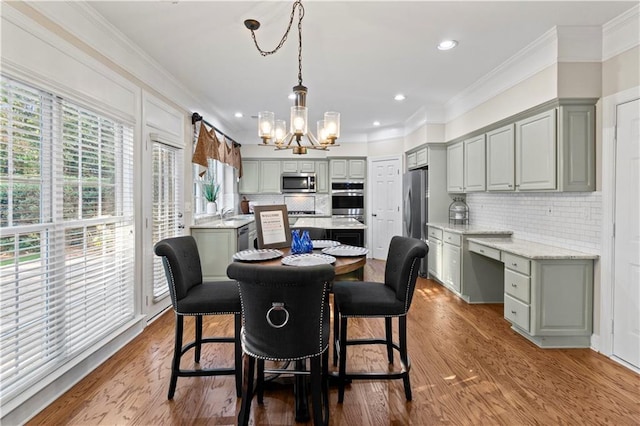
[
  {"x": 322, "y": 177},
  {"x": 350, "y": 237},
  {"x": 250, "y": 180},
  {"x": 455, "y": 167},
  {"x": 216, "y": 247},
  {"x": 500, "y": 159},
  {"x": 298, "y": 166},
  {"x": 473, "y": 278},
  {"x": 348, "y": 168},
  {"x": 549, "y": 149},
  {"x": 418, "y": 158},
  {"x": 270, "y": 172},
  {"x": 451, "y": 261},
  {"x": 474, "y": 164},
  {"x": 548, "y": 299},
  {"x": 434, "y": 263}
]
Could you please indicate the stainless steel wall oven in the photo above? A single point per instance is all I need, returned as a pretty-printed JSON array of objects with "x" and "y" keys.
[{"x": 347, "y": 199}]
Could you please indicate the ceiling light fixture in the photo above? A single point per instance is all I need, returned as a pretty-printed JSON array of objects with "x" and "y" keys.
[
  {"x": 447, "y": 44},
  {"x": 399, "y": 97},
  {"x": 376, "y": 123},
  {"x": 238, "y": 115},
  {"x": 270, "y": 129}
]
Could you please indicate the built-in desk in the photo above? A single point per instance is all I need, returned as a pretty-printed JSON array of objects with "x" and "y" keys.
[{"x": 548, "y": 291}]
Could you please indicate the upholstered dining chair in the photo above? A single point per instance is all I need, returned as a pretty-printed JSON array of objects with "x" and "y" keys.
[
  {"x": 190, "y": 296},
  {"x": 391, "y": 299},
  {"x": 285, "y": 318}
]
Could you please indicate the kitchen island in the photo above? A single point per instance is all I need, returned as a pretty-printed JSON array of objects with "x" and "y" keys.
[{"x": 219, "y": 239}]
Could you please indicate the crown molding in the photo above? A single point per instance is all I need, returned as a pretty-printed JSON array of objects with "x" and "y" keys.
[{"x": 621, "y": 33}]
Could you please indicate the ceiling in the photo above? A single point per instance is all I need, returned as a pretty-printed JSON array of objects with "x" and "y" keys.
[{"x": 357, "y": 55}]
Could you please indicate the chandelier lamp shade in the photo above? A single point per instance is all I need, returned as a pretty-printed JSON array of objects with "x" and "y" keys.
[{"x": 298, "y": 136}]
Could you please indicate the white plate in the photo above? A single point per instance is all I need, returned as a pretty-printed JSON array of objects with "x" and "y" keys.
[
  {"x": 257, "y": 255},
  {"x": 307, "y": 259},
  {"x": 345, "y": 251},
  {"x": 320, "y": 244}
]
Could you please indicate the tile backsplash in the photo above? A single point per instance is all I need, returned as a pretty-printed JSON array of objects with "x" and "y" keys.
[
  {"x": 318, "y": 202},
  {"x": 569, "y": 219}
]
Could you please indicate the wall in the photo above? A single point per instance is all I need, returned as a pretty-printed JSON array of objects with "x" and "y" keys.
[{"x": 621, "y": 72}]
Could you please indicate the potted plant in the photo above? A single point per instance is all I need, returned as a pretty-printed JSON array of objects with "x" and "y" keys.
[{"x": 210, "y": 191}]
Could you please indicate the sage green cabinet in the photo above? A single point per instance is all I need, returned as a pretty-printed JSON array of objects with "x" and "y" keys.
[
  {"x": 260, "y": 177},
  {"x": 418, "y": 158},
  {"x": 348, "y": 168},
  {"x": 434, "y": 260},
  {"x": 216, "y": 247},
  {"x": 474, "y": 164},
  {"x": 455, "y": 167},
  {"x": 451, "y": 261},
  {"x": 500, "y": 159},
  {"x": 536, "y": 159},
  {"x": 322, "y": 177},
  {"x": 298, "y": 166},
  {"x": 250, "y": 180}
]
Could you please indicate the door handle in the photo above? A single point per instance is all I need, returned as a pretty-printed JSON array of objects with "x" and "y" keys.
[{"x": 374, "y": 215}]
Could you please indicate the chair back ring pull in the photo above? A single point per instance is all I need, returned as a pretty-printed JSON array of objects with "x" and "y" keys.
[{"x": 277, "y": 306}]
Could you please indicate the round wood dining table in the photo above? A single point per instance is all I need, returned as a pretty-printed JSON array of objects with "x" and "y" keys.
[{"x": 343, "y": 265}]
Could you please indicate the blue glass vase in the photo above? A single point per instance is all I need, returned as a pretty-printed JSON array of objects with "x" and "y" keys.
[
  {"x": 307, "y": 245},
  {"x": 296, "y": 242}
]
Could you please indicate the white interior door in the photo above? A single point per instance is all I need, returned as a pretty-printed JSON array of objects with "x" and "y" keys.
[
  {"x": 386, "y": 197},
  {"x": 626, "y": 287}
]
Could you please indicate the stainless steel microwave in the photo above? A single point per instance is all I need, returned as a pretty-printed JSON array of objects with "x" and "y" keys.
[{"x": 298, "y": 182}]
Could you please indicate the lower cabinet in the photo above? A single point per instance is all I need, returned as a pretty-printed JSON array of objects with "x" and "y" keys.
[
  {"x": 435, "y": 258},
  {"x": 216, "y": 246},
  {"x": 351, "y": 237},
  {"x": 550, "y": 302},
  {"x": 451, "y": 265}
]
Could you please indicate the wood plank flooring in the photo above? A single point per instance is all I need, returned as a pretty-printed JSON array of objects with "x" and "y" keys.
[{"x": 468, "y": 368}]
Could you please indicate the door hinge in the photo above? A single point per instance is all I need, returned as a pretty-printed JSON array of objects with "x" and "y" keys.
[
  {"x": 614, "y": 230},
  {"x": 612, "y": 329},
  {"x": 147, "y": 300}
]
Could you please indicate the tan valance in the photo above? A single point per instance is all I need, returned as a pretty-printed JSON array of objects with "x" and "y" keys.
[{"x": 208, "y": 146}]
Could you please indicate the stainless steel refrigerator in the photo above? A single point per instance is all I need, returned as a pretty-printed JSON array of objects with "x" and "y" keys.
[{"x": 415, "y": 193}]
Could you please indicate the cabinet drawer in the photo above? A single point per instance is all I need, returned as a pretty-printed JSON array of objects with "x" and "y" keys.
[
  {"x": 516, "y": 263},
  {"x": 484, "y": 250},
  {"x": 516, "y": 312},
  {"x": 452, "y": 238},
  {"x": 435, "y": 233},
  {"x": 517, "y": 285}
]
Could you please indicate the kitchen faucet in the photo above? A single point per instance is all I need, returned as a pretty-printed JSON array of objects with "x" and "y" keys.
[{"x": 225, "y": 212}]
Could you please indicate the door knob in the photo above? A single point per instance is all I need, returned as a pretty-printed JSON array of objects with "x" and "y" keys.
[{"x": 374, "y": 215}]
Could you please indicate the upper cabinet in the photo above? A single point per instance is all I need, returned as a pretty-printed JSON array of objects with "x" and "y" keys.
[
  {"x": 250, "y": 180},
  {"x": 322, "y": 177},
  {"x": 544, "y": 149},
  {"x": 298, "y": 166},
  {"x": 474, "y": 164},
  {"x": 348, "y": 168},
  {"x": 418, "y": 158},
  {"x": 455, "y": 167},
  {"x": 260, "y": 177},
  {"x": 500, "y": 159}
]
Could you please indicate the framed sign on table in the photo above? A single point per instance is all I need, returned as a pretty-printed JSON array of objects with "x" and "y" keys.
[{"x": 272, "y": 224}]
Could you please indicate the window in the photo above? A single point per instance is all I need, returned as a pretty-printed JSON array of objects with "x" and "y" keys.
[
  {"x": 66, "y": 236},
  {"x": 215, "y": 170}
]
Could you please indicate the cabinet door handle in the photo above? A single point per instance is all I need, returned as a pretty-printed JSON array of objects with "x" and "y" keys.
[
  {"x": 481, "y": 251},
  {"x": 514, "y": 312},
  {"x": 514, "y": 264},
  {"x": 514, "y": 285}
]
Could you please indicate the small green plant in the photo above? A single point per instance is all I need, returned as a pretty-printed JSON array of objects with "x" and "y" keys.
[{"x": 210, "y": 190}]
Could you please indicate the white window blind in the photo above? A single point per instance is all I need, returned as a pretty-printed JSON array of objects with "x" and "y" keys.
[
  {"x": 167, "y": 183},
  {"x": 66, "y": 236}
]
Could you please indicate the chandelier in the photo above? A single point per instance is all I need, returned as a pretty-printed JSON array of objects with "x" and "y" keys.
[{"x": 275, "y": 131}]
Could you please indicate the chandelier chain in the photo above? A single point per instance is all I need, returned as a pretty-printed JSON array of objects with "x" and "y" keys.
[{"x": 298, "y": 5}]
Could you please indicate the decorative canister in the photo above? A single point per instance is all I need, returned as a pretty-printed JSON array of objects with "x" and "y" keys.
[{"x": 244, "y": 205}]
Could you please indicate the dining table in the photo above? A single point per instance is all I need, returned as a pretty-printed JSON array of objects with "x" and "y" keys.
[{"x": 346, "y": 267}]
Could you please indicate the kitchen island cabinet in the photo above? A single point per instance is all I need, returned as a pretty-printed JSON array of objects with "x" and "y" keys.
[
  {"x": 548, "y": 291},
  {"x": 473, "y": 279}
]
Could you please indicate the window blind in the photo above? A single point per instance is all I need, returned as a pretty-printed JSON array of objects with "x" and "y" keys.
[
  {"x": 66, "y": 236},
  {"x": 167, "y": 182}
]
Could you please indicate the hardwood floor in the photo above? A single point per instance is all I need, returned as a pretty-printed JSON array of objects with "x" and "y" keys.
[{"x": 468, "y": 368}]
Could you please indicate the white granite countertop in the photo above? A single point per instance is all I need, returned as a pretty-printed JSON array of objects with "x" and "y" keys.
[
  {"x": 532, "y": 250},
  {"x": 328, "y": 223},
  {"x": 231, "y": 222},
  {"x": 468, "y": 229}
]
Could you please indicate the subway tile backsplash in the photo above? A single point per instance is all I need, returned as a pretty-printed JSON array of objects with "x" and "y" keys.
[{"x": 569, "y": 219}]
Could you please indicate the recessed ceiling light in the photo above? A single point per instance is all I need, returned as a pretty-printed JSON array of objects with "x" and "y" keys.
[
  {"x": 447, "y": 44},
  {"x": 238, "y": 115},
  {"x": 376, "y": 123},
  {"x": 400, "y": 97}
]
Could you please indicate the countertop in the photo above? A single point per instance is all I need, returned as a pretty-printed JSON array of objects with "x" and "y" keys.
[
  {"x": 532, "y": 250},
  {"x": 468, "y": 229},
  {"x": 238, "y": 221},
  {"x": 328, "y": 223}
]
